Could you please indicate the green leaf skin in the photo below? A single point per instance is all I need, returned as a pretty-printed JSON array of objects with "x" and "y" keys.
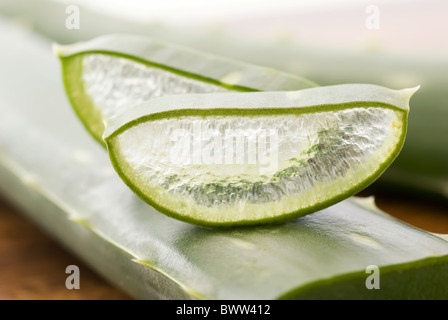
[
  {"x": 332, "y": 98},
  {"x": 52, "y": 169},
  {"x": 420, "y": 169},
  {"x": 184, "y": 62}
]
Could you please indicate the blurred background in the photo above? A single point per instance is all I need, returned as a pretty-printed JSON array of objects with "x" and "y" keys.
[
  {"x": 411, "y": 26},
  {"x": 401, "y": 43}
]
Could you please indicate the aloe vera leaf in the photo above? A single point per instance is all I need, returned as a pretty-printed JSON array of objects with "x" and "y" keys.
[
  {"x": 63, "y": 180},
  {"x": 353, "y": 132},
  {"x": 420, "y": 168},
  {"x": 107, "y": 75}
]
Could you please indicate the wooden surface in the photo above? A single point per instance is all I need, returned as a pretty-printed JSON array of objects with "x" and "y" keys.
[
  {"x": 32, "y": 266},
  {"x": 427, "y": 215}
]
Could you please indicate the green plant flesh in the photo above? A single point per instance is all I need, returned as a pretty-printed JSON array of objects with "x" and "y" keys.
[
  {"x": 108, "y": 75},
  {"x": 251, "y": 158}
]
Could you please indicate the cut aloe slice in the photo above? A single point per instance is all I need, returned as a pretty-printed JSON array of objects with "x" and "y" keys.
[
  {"x": 250, "y": 158},
  {"x": 107, "y": 75}
]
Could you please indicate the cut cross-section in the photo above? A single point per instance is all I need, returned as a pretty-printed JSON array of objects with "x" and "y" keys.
[
  {"x": 114, "y": 83},
  {"x": 250, "y": 158}
]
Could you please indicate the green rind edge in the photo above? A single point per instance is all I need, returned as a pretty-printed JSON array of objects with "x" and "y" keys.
[
  {"x": 186, "y": 61},
  {"x": 265, "y": 103},
  {"x": 89, "y": 115},
  {"x": 410, "y": 280}
]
